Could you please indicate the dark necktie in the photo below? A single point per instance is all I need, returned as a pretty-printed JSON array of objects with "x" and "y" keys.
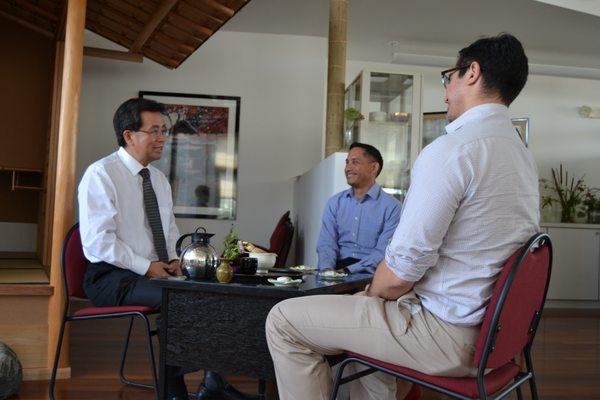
[{"x": 153, "y": 214}]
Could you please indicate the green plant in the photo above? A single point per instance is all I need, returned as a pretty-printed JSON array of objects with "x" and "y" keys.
[
  {"x": 592, "y": 202},
  {"x": 569, "y": 193},
  {"x": 231, "y": 249},
  {"x": 352, "y": 114}
]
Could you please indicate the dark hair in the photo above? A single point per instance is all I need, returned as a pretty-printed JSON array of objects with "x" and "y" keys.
[
  {"x": 371, "y": 152},
  {"x": 503, "y": 64},
  {"x": 129, "y": 116}
]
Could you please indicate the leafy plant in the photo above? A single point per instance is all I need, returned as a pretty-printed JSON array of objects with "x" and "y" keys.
[
  {"x": 569, "y": 193},
  {"x": 591, "y": 200},
  {"x": 231, "y": 249},
  {"x": 352, "y": 114}
]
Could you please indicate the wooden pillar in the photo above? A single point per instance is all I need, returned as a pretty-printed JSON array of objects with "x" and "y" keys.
[
  {"x": 336, "y": 76},
  {"x": 64, "y": 189}
]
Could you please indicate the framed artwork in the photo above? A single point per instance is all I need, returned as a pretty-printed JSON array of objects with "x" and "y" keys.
[
  {"x": 200, "y": 153},
  {"x": 522, "y": 127},
  {"x": 433, "y": 126}
]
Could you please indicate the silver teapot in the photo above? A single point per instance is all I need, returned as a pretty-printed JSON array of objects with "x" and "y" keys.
[{"x": 198, "y": 259}]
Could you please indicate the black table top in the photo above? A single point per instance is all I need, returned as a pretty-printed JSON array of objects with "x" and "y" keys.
[{"x": 257, "y": 286}]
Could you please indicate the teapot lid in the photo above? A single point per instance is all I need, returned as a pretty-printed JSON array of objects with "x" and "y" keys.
[{"x": 201, "y": 237}]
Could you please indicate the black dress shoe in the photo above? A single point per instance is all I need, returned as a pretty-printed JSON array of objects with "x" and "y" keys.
[{"x": 176, "y": 389}]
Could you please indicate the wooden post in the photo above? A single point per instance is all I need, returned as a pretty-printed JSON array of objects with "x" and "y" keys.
[
  {"x": 336, "y": 76},
  {"x": 64, "y": 189}
]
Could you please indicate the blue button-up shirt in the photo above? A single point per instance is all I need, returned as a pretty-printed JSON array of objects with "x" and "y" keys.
[{"x": 358, "y": 229}]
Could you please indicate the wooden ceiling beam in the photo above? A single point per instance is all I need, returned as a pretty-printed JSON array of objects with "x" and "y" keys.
[
  {"x": 27, "y": 24},
  {"x": 185, "y": 8},
  {"x": 219, "y": 7},
  {"x": 159, "y": 15},
  {"x": 37, "y": 10},
  {"x": 113, "y": 54},
  {"x": 161, "y": 59},
  {"x": 190, "y": 26}
]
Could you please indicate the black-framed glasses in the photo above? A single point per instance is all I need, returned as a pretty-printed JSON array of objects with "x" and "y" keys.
[
  {"x": 447, "y": 74},
  {"x": 157, "y": 132}
]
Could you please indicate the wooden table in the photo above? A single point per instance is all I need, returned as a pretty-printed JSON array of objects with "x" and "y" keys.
[{"x": 221, "y": 327}]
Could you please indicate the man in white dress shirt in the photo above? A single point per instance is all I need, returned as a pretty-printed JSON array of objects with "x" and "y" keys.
[
  {"x": 126, "y": 218},
  {"x": 472, "y": 202}
]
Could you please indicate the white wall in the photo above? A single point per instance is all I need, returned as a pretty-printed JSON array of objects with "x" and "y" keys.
[
  {"x": 281, "y": 81},
  {"x": 557, "y": 133}
]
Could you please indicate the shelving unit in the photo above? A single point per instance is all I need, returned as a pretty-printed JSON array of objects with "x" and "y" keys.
[{"x": 382, "y": 96}]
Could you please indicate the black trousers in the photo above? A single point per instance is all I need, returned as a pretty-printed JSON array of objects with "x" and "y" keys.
[
  {"x": 107, "y": 285},
  {"x": 344, "y": 262}
]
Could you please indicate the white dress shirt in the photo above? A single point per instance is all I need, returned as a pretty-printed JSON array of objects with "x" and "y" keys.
[
  {"x": 112, "y": 219},
  {"x": 473, "y": 200}
]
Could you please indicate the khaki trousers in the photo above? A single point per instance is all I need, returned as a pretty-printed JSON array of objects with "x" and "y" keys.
[{"x": 300, "y": 331}]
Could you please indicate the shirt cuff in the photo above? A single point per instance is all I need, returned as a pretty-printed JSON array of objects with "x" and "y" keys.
[
  {"x": 402, "y": 268},
  {"x": 140, "y": 265}
]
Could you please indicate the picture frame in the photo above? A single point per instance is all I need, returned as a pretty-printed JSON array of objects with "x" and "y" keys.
[
  {"x": 522, "y": 127},
  {"x": 200, "y": 153}
]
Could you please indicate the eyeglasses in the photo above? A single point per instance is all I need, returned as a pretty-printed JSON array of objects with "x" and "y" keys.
[
  {"x": 447, "y": 74},
  {"x": 157, "y": 132}
]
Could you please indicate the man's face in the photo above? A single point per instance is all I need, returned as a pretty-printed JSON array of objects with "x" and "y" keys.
[
  {"x": 146, "y": 144},
  {"x": 360, "y": 169},
  {"x": 455, "y": 95}
]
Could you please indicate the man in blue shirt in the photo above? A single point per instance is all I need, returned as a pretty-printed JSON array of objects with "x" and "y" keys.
[{"x": 359, "y": 222}]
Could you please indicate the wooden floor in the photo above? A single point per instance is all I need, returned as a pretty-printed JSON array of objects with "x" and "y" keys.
[{"x": 566, "y": 356}]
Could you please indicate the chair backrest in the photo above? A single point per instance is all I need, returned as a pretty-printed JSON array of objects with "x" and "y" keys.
[
  {"x": 74, "y": 264},
  {"x": 514, "y": 310},
  {"x": 281, "y": 239}
]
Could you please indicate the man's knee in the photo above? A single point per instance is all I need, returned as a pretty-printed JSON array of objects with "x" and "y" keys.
[{"x": 276, "y": 320}]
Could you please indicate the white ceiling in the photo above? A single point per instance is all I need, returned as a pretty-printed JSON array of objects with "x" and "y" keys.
[{"x": 551, "y": 35}]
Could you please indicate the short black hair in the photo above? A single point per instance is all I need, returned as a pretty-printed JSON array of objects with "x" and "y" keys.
[
  {"x": 504, "y": 65},
  {"x": 371, "y": 152},
  {"x": 129, "y": 116}
]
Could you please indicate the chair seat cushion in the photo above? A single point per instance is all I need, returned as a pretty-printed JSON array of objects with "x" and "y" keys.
[
  {"x": 89, "y": 311},
  {"x": 493, "y": 381}
]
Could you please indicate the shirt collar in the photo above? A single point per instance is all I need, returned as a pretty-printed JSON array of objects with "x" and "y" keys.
[
  {"x": 474, "y": 113},
  {"x": 131, "y": 163},
  {"x": 373, "y": 192}
]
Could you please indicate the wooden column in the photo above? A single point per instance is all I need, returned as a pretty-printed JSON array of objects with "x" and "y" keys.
[
  {"x": 64, "y": 189},
  {"x": 336, "y": 75}
]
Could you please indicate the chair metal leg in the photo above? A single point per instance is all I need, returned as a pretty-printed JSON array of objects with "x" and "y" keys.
[
  {"x": 56, "y": 359},
  {"x": 262, "y": 387},
  {"x": 532, "y": 383},
  {"x": 126, "y": 381},
  {"x": 519, "y": 393},
  {"x": 338, "y": 379}
]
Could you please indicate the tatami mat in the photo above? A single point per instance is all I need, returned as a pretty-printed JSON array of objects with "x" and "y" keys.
[
  {"x": 19, "y": 263},
  {"x": 23, "y": 275}
]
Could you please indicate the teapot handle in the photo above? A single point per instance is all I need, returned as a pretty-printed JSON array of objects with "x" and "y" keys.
[{"x": 178, "y": 244}]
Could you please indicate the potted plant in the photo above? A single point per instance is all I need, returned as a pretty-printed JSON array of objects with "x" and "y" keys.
[
  {"x": 592, "y": 202},
  {"x": 351, "y": 115},
  {"x": 569, "y": 193},
  {"x": 231, "y": 252}
]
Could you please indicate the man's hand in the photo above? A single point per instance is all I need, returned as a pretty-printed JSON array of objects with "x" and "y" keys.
[
  {"x": 175, "y": 268},
  {"x": 159, "y": 269}
]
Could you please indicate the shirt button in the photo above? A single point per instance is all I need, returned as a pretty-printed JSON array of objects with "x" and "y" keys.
[
  {"x": 354, "y": 234},
  {"x": 356, "y": 218}
]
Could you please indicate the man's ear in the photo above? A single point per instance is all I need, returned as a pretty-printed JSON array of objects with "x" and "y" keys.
[
  {"x": 473, "y": 74},
  {"x": 127, "y": 136}
]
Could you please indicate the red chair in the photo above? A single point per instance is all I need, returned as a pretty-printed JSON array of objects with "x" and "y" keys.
[
  {"x": 281, "y": 240},
  {"x": 73, "y": 266},
  {"x": 508, "y": 327}
]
